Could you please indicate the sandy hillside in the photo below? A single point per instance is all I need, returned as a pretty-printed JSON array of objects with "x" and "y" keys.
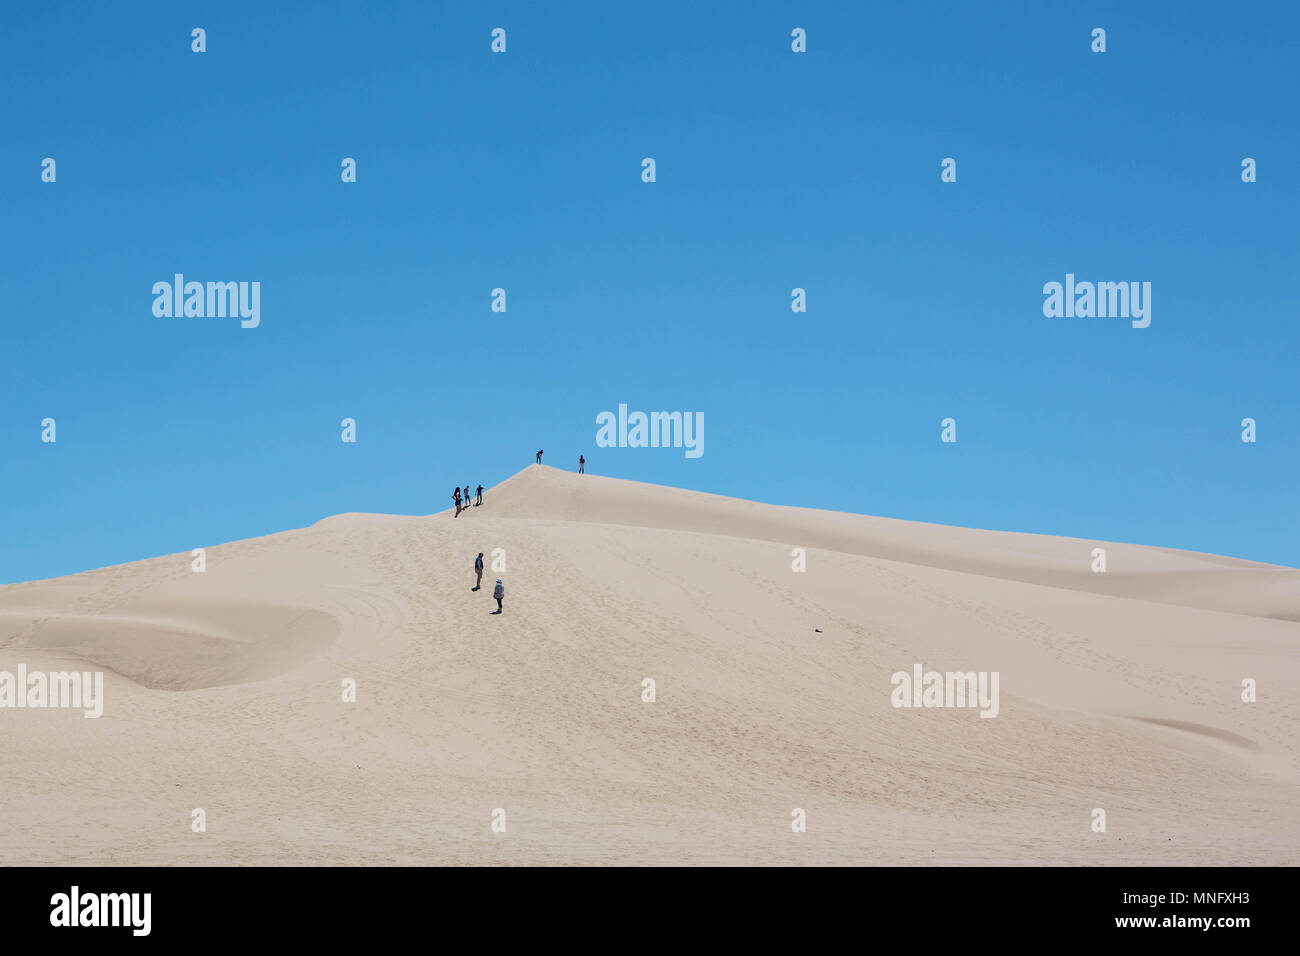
[{"x": 223, "y": 691}]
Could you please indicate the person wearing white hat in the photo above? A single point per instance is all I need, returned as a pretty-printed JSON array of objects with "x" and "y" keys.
[{"x": 499, "y": 592}]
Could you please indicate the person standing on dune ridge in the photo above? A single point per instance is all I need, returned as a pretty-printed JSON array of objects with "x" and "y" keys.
[
  {"x": 455, "y": 496},
  {"x": 582, "y": 465},
  {"x": 480, "y": 496},
  {"x": 539, "y": 457},
  {"x": 467, "y": 496}
]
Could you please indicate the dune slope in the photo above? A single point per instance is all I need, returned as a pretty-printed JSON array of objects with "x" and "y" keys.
[{"x": 224, "y": 691}]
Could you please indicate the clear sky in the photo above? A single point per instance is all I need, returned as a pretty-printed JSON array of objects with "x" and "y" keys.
[{"x": 522, "y": 170}]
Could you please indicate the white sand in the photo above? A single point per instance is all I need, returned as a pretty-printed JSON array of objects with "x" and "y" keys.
[{"x": 1118, "y": 690}]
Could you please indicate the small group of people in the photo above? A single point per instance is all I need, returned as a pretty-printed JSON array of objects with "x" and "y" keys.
[
  {"x": 582, "y": 462},
  {"x": 498, "y": 592},
  {"x": 463, "y": 503}
]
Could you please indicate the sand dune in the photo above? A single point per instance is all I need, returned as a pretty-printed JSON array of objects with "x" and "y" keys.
[{"x": 1119, "y": 691}]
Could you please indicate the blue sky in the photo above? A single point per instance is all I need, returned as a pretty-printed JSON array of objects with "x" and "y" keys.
[{"x": 522, "y": 170}]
